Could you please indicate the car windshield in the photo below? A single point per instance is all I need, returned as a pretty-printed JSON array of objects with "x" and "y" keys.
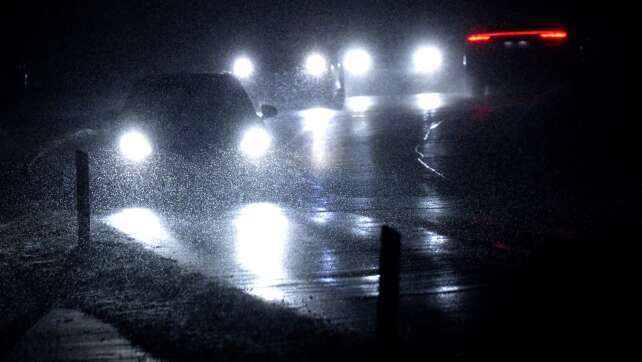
[
  {"x": 293, "y": 180},
  {"x": 146, "y": 98},
  {"x": 216, "y": 99}
]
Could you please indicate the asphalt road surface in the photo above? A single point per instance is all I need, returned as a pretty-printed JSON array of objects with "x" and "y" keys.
[
  {"x": 321, "y": 255},
  {"x": 466, "y": 267}
]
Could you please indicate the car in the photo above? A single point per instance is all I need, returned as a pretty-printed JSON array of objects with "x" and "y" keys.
[
  {"x": 292, "y": 78},
  {"x": 191, "y": 112},
  {"x": 188, "y": 125},
  {"x": 175, "y": 133},
  {"x": 502, "y": 61},
  {"x": 529, "y": 127},
  {"x": 400, "y": 63}
]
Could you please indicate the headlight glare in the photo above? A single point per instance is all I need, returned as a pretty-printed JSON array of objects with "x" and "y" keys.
[
  {"x": 135, "y": 146},
  {"x": 316, "y": 65},
  {"x": 243, "y": 68},
  {"x": 255, "y": 142},
  {"x": 427, "y": 59},
  {"x": 357, "y": 61}
]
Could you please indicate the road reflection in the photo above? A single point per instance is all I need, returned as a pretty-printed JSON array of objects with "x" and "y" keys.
[
  {"x": 324, "y": 254},
  {"x": 429, "y": 102},
  {"x": 317, "y": 122},
  {"x": 359, "y": 104},
  {"x": 141, "y": 224},
  {"x": 262, "y": 233}
]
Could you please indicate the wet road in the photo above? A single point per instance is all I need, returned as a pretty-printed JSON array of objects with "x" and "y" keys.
[
  {"x": 320, "y": 255},
  {"x": 475, "y": 272}
]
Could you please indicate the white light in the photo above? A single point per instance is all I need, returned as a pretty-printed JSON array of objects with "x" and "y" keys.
[
  {"x": 317, "y": 121},
  {"x": 359, "y": 104},
  {"x": 255, "y": 142},
  {"x": 243, "y": 68},
  {"x": 316, "y": 65},
  {"x": 429, "y": 101},
  {"x": 262, "y": 233},
  {"x": 135, "y": 146},
  {"x": 357, "y": 61},
  {"x": 141, "y": 224},
  {"x": 427, "y": 59}
]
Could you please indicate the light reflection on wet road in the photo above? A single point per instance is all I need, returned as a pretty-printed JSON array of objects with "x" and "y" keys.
[{"x": 322, "y": 258}]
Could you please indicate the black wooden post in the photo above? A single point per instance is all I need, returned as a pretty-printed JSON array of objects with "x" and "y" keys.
[
  {"x": 388, "y": 302},
  {"x": 82, "y": 198}
]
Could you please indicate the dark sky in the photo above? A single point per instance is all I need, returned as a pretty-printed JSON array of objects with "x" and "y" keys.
[{"x": 90, "y": 41}]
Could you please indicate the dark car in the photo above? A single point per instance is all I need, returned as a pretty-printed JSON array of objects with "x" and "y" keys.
[
  {"x": 191, "y": 112},
  {"x": 194, "y": 124},
  {"x": 175, "y": 134},
  {"x": 508, "y": 60}
]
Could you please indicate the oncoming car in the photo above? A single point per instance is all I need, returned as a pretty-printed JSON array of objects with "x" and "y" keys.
[
  {"x": 308, "y": 77},
  {"x": 191, "y": 112},
  {"x": 501, "y": 60},
  {"x": 190, "y": 131},
  {"x": 179, "y": 140},
  {"x": 399, "y": 64}
]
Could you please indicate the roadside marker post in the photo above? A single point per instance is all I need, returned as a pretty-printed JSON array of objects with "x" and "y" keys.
[
  {"x": 388, "y": 301},
  {"x": 82, "y": 198}
]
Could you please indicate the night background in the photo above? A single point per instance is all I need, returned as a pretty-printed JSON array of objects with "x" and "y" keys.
[
  {"x": 318, "y": 180},
  {"x": 95, "y": 49}
]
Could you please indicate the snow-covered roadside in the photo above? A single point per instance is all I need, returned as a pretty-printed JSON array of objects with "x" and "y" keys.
[
  {"x": 168, "y": 311},
  {"x": 33, "y": 250},
  {"x": 69, "y": 335}
]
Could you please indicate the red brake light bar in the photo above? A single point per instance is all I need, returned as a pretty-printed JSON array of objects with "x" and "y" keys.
[{"x": 544, "y": 34}]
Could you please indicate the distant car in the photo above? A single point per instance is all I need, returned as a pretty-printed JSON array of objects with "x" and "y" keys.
[
  {"x": 290, "y": 77},
  {"x": 502, "y": 60},
  {"x": 396, "y": 64}
]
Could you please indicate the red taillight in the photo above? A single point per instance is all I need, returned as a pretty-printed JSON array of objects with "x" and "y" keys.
[
  {"x": 554, "y": 35},
  {"x": 544, "y": 34},
  {"x": 476, "y": 38}
]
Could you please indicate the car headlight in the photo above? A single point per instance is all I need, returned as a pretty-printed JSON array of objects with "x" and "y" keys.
[
  {"x": 316, "y": 65},
  {"x": 357, "y": 61},
  {"x": 242, "y": 68},
  {"x": 255, "y": 142},
  {"x": 427, "y": 59},
  {"x": 135, "y": 146}
]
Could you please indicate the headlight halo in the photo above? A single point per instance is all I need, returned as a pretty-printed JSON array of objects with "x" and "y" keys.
[
  {"x": 357, "y": 61},
  {"x": 243, "y": 67},
  {"x": 255, "y": 142},
  {"x": 427, "y": 59},
  {"x": 316, "y": 64},
  {"x": 135, "y": 146}
]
